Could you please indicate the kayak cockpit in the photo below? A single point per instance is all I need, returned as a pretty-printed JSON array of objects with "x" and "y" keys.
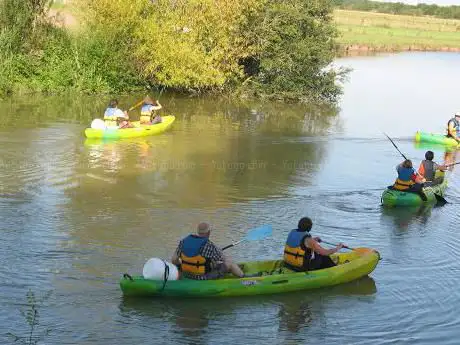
[{"x": 274, "y": 267}]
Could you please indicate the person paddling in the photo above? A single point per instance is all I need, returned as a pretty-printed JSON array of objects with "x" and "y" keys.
[
  {"x": 302, "y": 252},
  {"x": 149, "y": 107},
  {"x": 453, "y": 127},
  {"x": 428, "y": 168},
  {"x": 199, "y": 258},
  {"x": 408, "y": 181},
  {"x": 115, "y": 117}
]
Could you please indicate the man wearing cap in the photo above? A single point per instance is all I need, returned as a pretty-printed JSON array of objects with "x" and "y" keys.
[
  {"x": 453, "y": 127},
  {"x": 199, "y": 258},
  {"x": 148, "y": 108}
]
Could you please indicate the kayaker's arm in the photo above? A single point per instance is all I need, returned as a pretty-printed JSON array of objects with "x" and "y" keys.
[
  {"x": 441, "y": 167},
  {"x": 313, "y": 244},
  {"x": 175, "y": 258},
  {"x": 157, "y": 107},
  {"x": 417, "y": 177}
]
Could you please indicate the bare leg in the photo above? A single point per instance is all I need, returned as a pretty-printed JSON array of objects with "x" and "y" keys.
[{"x": 233, "y": 268}]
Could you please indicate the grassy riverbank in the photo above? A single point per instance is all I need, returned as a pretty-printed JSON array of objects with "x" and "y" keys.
[{"x": 368, "y": 31}]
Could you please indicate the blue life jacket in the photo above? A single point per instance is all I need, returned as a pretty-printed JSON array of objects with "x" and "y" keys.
[
  {"x": 405, "y": 174},
  {"x": 404, "y": 180},
  {"x": 191, "y": 259},
  {"x": 295, "y": 253}
]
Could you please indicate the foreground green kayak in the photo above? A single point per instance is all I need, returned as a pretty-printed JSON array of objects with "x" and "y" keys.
[
  {"x": 275, "y": 278},
  {"x": 434, "y": 139},
  {"x": 392, "y": 197}
]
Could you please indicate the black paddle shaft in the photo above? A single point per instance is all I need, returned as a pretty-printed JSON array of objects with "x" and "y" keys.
[
  {"x": 451, "y": 165},
  {"x": 396, "y": 147}
]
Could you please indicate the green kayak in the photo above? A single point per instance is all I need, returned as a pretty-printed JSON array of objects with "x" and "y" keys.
[
  {"x": 392, "y": 197},
  {"x": 274, "y": 278},
  {"x": 434, "y": 139}
]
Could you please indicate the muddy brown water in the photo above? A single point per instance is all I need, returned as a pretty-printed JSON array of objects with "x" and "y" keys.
[{"x": 77, "y": 214}]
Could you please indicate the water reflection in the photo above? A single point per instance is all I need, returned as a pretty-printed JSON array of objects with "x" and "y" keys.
[
  {"x": 197, "y": 320},
  {"x": 36, "y": 110},
  {"x": 402, "y": 217},
  {"x": 213, "y": 154}
]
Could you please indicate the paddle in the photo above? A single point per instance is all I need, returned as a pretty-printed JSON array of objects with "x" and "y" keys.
[
  {"x": 450, "y": 165},
  {"x": 159, "y": 95},
  {"x": 438, "y": 197},
  {"x": 402, "y": 154},
  {"x": 335, "y": 245},
  {"x": 135, "y": 106},
  {"x": 253, "y": 235}
]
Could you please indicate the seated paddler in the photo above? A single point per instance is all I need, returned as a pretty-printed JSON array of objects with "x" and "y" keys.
[
  {"x": 148, "y": 112},
  {"x": 453, "y": 127},
  {"x": 199, "y": 258},
  {"x": 303, "y": 252},
  {"x": 114, "y": 117},
  {"x": 428, "y": 168},
  {"x": 408, "y": 180}
]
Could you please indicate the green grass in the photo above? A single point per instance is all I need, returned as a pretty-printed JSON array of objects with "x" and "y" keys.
[
  {"x": 397, "y": 32},
  {"x": 59, "y": 5}
]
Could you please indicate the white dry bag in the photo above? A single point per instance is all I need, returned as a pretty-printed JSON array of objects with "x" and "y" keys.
[{"x": 155, "y": 269}]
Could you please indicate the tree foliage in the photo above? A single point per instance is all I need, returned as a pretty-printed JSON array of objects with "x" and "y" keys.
[{"x": 277, "y": 49}]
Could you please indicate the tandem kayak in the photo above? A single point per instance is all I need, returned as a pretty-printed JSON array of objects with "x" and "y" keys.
[
  {"x": 391, "y": 197},
  {"x": 424, "y": 137},
  {"x": 138, "y": 131},
  {"x": 274, "y": 278}
]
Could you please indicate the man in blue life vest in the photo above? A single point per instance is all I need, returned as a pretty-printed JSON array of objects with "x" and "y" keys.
[
  {"x": 199, "y": 258},
  {"x": 303, "y": 252},
  {"x": 453, "y": 127}
]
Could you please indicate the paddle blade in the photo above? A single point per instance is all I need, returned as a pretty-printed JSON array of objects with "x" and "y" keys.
[
  {"x": 440, "y": 200},
  {"x": 259, "y": 233}
]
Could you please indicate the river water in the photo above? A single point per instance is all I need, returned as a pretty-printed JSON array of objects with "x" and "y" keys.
[{"x": 78, "y": 214}]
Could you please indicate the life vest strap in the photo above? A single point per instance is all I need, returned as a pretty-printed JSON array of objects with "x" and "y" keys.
[
  {"x": 296, "y": 254},
  {"x": 197, "y": 264}
]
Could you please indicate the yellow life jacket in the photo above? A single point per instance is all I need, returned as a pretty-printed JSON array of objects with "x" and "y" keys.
[
  {"x": 146, "y": 113},
  {"x": 110, "y": 118},
  {"x": 403, "y": 185},
  {"x": 294, "y": 254},
  {"x": 191, "y": 259}
]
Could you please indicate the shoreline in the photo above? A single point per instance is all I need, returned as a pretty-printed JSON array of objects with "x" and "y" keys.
[{"x": 364, "y": 49}]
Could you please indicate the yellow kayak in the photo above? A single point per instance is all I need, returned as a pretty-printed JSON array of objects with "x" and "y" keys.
[{"x": 137, "y": 131}]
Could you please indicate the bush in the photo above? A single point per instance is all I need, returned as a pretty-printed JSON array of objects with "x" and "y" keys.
[{"x": 275, "y": 49}]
